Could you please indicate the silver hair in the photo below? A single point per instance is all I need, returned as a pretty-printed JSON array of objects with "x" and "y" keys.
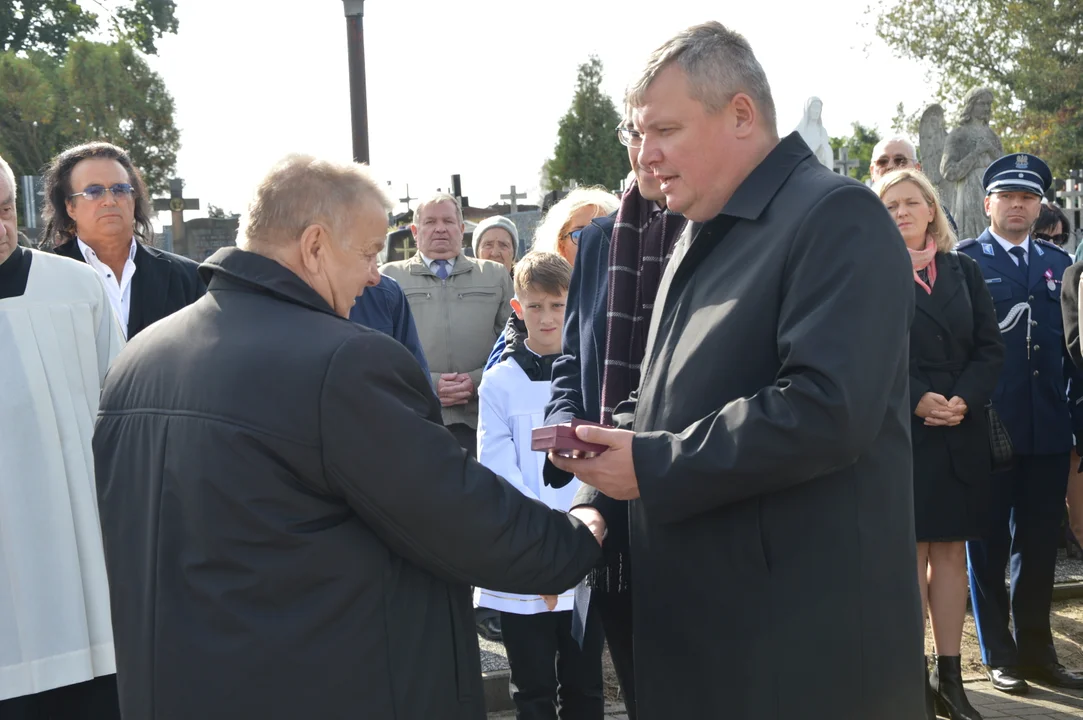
[
  {"x": 7, "y": 172},
  {"x": 719, "y": 64},
  {"x": 301, "y": 190},
  {"x": 879, "y": 149},
  {"x": 436, "y": 198}
]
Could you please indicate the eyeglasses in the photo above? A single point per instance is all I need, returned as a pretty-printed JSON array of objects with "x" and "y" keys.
[
  {"x": 1058, "y": 239},
  {"x": 629, "y": 137},
  {"x": 120, "y": 191},
  {"x": 899, "y": 161},
  {"x": 574, "y": 236}
]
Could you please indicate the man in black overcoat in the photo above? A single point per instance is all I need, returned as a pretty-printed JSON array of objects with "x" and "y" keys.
[
  {"x": 290, "y": 531},
  {"x": 767, "y": 449}
]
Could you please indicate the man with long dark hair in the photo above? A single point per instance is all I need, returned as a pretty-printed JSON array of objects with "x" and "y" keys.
[{"x": 97, "y": 212}]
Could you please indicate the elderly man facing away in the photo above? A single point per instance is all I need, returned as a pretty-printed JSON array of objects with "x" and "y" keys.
[{"x": 290, "y": 531}]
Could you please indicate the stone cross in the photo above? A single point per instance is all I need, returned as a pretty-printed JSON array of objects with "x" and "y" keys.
[
  {"x": 407, "y": 199},
  {"x": 844, "y": 163},
  {"x": 513, "y": 197},
  {"x": 177, "y": 204}
]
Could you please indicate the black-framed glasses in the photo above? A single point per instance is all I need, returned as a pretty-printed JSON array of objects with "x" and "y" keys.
[
  {"x": 1058, "y": 239},
  {"x": 574, "y": 236},
  {"x": 97, "y": 192},
  {"x": 629, "y": 136}
]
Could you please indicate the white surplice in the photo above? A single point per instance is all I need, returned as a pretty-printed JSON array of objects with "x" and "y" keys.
[
  {"x": 510, "y": 406},
  {"x": 56, "y": 342}
]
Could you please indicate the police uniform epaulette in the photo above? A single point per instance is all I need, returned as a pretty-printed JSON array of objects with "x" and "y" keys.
[
  {"x": 966, "y": 243},
  {"x": 1051, "y": 246}
]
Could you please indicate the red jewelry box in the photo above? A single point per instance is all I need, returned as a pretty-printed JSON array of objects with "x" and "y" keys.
[{"x": 563, "y": 440}]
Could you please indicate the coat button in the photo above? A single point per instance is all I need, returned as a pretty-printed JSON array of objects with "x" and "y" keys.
[
  {"x": 1030, "y": 298},
  {"x": 1035, "y": 373},
  {"x": 1037, "y": 348},
  {"x": 1033, "y": 323}
]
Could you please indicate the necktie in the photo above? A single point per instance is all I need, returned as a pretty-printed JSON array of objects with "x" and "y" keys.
[
  {"x": 441, "y": 269},
  {"x": 1021, "y": 256}
]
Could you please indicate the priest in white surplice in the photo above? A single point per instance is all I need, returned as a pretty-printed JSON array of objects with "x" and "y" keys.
[{"x": 58, "y": 335}]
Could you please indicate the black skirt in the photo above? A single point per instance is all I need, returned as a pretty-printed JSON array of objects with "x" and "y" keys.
[{"x": 951, "y": 500}]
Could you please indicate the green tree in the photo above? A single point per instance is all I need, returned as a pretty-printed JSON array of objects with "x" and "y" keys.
[
  {"x": 50, "y": 26},
  {"x": 860, "y": 143},
  {"x": 1029, "y": 52},
  {"x": 587, "y": 149},
  {"x": 98, "y": 92}
]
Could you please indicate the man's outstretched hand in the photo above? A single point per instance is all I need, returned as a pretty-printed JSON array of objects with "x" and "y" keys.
[{"x": 613, "y": 471}]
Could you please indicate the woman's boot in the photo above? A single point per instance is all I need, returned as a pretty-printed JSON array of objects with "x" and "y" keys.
[
  {"x": 947, "y": 685},
  {"x": 930, "y": 706}
]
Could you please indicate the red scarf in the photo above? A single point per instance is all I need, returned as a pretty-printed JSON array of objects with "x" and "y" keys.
[{"x": 924, "y": 260}]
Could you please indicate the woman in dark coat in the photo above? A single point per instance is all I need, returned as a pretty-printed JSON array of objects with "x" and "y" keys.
[{"x": 955, "y": 356}]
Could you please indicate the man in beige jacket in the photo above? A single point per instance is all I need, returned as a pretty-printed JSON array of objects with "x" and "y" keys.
[{"x": 460, "y": 305}]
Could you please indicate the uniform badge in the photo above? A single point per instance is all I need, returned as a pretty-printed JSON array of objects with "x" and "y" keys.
[
  {"x": 1049, "y": 281},
  {"x": 1021, "y": 161},
  {"x": 987, "y": 248},
  {"x": 1039, "y": 249}
]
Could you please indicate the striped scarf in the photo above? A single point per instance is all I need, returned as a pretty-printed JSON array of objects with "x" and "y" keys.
[{"x": 642, "y": 241}]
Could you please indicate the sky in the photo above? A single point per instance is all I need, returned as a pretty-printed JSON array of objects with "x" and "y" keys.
[{"x": 477, "y": 87}]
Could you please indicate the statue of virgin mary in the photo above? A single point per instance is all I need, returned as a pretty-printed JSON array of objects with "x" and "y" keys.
[{"x": 814, "y": 134}]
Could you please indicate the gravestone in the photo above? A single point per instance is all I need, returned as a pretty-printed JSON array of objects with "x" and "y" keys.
[
  {"x": 1071, "y": 201},
  {"x": 400, "y": 245},
  {"x": 176, "y": 203},
  {"x": 845, "y": 163},
  {"x": 31, "y": 192},
  {"x": 526, "y": 222},
  {"x": 514, "y": 198},
  {"x": 206, "y": 236}
]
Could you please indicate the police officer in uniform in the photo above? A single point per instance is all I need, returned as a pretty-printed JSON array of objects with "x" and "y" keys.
[{"x": 1027, "y": 502}]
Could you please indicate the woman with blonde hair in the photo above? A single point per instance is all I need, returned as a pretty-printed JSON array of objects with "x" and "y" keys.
[
  {"x": 955, "y": 357},
  {"x": 559, "y": 230}
]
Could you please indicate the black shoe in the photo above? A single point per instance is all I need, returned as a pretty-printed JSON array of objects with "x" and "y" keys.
[
  {"x": 1008, "y": 680},
  {"x": 947, "y": 684},
  {"x": 930, "y": 699},
  {"x": 1053, "y": 674},
  {"x": 489, "y": 628}
]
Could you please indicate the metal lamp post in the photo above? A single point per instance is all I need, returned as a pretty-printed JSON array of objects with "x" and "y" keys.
[{"x": 355, "y": 38}]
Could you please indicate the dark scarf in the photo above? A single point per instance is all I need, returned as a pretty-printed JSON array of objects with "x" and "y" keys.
[{"x": 642, "y": 242}]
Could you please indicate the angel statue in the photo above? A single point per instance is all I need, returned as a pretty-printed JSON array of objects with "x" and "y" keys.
[
  {"x": 967, "y": 151},
  {"x": 814, "y": 134},
  {"x": 931, "y": 135}
]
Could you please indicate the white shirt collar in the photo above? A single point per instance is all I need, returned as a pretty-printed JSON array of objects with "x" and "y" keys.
[
  {"x": 119, "y": 290},
  {"x": 1008, "y": 245},
  {"x": 429, "y": 261}
]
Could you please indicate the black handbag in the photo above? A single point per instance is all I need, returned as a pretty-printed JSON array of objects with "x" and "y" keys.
[{"x": 1000, "y": 443}]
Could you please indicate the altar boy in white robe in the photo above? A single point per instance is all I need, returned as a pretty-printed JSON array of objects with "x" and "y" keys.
[
  {"x": 549, "y": 669},
  {"x": 58, "y": 335}
]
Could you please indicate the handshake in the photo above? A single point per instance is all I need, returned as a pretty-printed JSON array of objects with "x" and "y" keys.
[{"x": 595, "y": 523}]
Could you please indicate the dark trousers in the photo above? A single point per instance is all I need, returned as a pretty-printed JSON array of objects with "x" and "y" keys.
[
  {"x": 467, "y": 437},
  {"x": 1026, "y": 505},
  {"x": 92, "y": 700},
  {"x": 549, "y": 670},
  {"x": 615, "y": 611}
]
